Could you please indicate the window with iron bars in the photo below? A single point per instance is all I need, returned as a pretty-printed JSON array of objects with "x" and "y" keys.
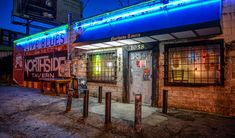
[
  {"x": 102, "y": 67},
  {"x": 196, "y": 63}
]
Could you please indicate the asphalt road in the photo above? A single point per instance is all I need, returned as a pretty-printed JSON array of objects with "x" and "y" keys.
[{"x": 28, "y": 113}]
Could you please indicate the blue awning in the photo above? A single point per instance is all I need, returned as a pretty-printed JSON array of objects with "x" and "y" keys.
[{"x": 202, "y": 17}]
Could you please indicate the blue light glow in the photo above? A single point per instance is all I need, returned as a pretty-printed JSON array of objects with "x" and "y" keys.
[
  {"x": 49, "y": 33},
  {"x": 42, "y": 37},
  {"x": 196, "y": 15},
  {"x": 147, "y": 16},
  {"x": 152, "y": 8}
]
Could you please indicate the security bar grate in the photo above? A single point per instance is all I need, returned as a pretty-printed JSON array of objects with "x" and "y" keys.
[{"x": 102, "y": 67}]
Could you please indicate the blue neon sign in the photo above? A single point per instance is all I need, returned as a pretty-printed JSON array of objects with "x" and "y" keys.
[
  {"x": 151, "y": 16},
  {"x": 153, "y": 7},
  {"x": 53, "y": 37}
]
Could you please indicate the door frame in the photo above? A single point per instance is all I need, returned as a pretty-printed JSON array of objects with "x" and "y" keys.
[{"x": 153, "y": 46}]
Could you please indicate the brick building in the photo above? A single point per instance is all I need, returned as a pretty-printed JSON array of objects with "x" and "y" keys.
[
  {"x": 6, "y": 53},
  {"x": 186, "y": 47}
]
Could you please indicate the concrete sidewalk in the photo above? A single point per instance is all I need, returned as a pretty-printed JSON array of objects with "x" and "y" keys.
[
  {"x": 27, "y": 113},
  {"x": 122, "y": 111}
]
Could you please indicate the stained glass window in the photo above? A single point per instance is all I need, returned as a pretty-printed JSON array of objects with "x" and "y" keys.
[
  {"x": 102, "y": 67},
  {"x": 194, "y": 64}
]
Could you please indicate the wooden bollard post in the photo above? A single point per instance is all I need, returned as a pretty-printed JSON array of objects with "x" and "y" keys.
[
  {"x": 107, "y": 107},
  {"x": 86, "y": 104},
  {"x": 138, "y": 103},
  {"x": 164, "y": 101},
  {"x": 69, "y": 101},
  {"x": 100, "y": 95}
]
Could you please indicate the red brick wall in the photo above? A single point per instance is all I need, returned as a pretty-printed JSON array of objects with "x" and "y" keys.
[
  {"x": 214, "y": 99},
  {"x": 116, "y": 89}
]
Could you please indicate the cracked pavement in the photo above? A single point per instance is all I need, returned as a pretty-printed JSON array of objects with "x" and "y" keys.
[{"x": 26, "y": 112}]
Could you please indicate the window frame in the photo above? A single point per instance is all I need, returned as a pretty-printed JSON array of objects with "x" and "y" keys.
[
  {"x": 115, "y": 67},
  {"x": 220, "y": 42}
]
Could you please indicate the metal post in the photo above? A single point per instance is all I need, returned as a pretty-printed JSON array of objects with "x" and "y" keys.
[
  {"x": 69, "y": 102},
  {"x": 85, "y": 104},
  {"x": 164, "y": 101},
  {"x": 107, "y": 107},
  {"x": 138, "y": 103},
  {"x": 100, "y": 95}
]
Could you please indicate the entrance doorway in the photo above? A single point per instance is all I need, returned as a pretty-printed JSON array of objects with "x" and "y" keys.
[{"x": 140, "y": 75}]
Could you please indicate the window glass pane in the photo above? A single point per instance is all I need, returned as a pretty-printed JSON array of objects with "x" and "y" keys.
[
  {"x": 102, "y": 67},
  {"x": 194, "y": 65}
]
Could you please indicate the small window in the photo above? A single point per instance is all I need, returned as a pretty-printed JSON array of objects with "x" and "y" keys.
[
  {"x": 102, "y": 67},
  {"x": 193, "y": 63}
]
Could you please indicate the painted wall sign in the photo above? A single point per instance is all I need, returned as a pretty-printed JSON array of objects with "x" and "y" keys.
[
  {"x": 44, "y": 63},
  {"x": 49, "y": 38},
  {"x": 18, "y": 66},
  {"x": 125, "y": 37},
  {"x": 55, "y": 39},
  {"x": 64, "y": 69}
]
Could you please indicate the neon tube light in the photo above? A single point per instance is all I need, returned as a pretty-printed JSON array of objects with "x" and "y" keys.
[
  {"x": 41, "y": 35},
  {"x": 39, "y": 38},
  {"x": 136, "y": 11},
  {"x": 152, "y": 14}
]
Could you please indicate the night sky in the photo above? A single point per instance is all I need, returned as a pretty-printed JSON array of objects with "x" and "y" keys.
[{"x": 91, "y": 8}]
